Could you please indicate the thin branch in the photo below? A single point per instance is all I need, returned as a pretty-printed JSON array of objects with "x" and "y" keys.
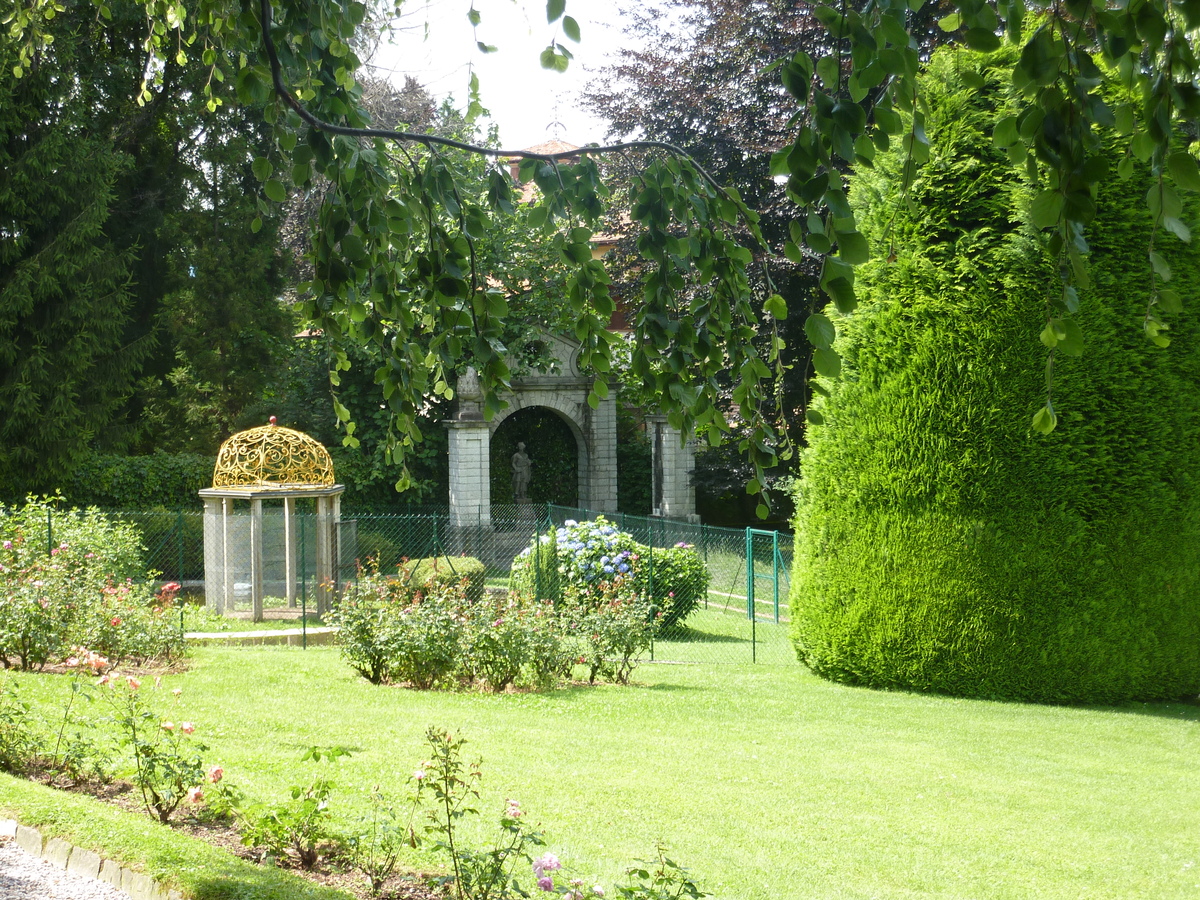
[{"x": 429, "y": 140}]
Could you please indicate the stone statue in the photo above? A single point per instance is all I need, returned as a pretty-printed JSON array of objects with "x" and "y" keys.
[{"x": 522, "y": 465}]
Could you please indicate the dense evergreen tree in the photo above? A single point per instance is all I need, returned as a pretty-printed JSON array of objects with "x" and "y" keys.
[
  {"x": 65, "y": 301},
  {"x": 940, "y": 543}
]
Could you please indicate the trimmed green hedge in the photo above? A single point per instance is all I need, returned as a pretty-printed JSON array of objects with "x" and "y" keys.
[
  {"x": 942, "y": 545},
  {"x": 167, "y": 480},
  {"x": 447, "y": 571}
]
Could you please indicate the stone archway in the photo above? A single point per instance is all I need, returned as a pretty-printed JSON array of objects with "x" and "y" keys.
[
  {"x": 557, "y": 452},
  {"x": 565, "y": 391}
]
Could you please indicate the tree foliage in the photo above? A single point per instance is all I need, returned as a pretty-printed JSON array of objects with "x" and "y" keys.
[
  {"x": 941, "y": 545},
  {"x": 64, "y": 287},
  {"x": 394, "y": 248}
]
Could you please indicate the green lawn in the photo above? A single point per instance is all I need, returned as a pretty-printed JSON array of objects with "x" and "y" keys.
[{"x": 764, "y": 780}]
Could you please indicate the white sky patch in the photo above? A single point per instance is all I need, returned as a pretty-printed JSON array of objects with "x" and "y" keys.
[{"x": 528, "y": 103}]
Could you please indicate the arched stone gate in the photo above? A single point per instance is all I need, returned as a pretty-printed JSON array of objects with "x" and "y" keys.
[{"x": 565, "y": 391}]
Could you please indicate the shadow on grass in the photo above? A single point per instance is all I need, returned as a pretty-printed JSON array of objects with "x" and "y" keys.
[
  {"x": 1183, "y": 710},
  {"x": 693, "y": 636}
]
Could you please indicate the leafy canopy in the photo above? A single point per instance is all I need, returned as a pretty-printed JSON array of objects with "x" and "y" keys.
[{"x": 393, "y": 250}]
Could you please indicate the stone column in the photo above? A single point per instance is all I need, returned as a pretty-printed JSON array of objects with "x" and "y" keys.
[
  {"x": 600, "y": 491},
  {"x": 256, "y": 558},
  {"x": 470, "y": 474},
  {"x": 673, "y": 460},
  {"x": 214, "y": 555},
  {"x": 289, "y": 549}
]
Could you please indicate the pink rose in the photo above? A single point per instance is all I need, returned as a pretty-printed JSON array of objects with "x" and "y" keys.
[
  {"x": 195, "y": 795},
  {"x": 115, "y": 621},
  {"x": 133, "y": 683},
  {"x": 168, "y": 726},
  {"x": 187, "y": 727},
  {"x": 546, "y": 883},
  {"x": 215, "y": 774},
  {"x": 176, "y": 691}
]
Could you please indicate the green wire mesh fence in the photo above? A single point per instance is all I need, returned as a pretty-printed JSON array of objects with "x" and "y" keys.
[{"x": 741, "y": 615}]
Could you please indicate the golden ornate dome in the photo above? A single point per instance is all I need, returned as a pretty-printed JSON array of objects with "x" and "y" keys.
[{"x": 272, "y": 456}]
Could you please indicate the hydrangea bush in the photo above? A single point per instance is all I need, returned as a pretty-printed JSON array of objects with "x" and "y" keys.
[{"x": 588, "y": 555}]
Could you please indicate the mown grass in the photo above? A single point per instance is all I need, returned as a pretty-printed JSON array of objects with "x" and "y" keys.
[
  {"x": 764, "y": 780},
  {"x": 185, "y": 863}
]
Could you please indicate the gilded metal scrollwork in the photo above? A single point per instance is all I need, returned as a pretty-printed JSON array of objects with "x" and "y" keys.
[{"x": 272, "y": 455}]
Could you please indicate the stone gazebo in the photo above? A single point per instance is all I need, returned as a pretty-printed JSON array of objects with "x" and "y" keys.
[{"x": 272, "y": 464}]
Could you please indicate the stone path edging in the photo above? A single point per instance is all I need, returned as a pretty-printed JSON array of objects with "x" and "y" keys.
[{"x": 87, "y": 863}]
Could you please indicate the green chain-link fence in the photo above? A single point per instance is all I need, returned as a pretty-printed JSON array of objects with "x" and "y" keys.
[{"x": 741, "y": 617}]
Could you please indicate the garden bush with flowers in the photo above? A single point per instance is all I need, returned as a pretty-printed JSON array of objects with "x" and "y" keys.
[
  {"x": 588, "y": 555},
  {"x": 436, "y": 635},
  {"x": 76, "y": 586}
]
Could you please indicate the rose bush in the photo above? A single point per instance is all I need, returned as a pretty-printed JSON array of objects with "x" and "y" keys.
[{"x": 69, "y": 578}]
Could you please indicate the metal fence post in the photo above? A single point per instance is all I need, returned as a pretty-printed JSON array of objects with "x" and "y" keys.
[
  {"x": 750, "y": 573},
  {"x": 179, "y": 577},
  {"x": 775, "y": 564}
]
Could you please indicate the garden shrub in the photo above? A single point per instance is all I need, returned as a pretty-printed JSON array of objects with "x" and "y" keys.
[
  {"x": 943, "y": 545},
  {"x": 444, "y": 571},
  {"x": 679, "y": 584},
  {"x": 538, "y": 575},
  {"x": 589, "y": 554},
  {"x": 114, "y": 481},
  {"x": 393, "y": 631},
  {"x": 613, "y": 627},
  {"x": 78, "y": 592},
  {"x": 378, "y": 550}
]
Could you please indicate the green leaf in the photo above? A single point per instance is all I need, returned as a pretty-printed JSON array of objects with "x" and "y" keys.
[
  {"x": 554, "y": 9},
  {"x": 1178, "y": 228},
  {"x": 1184, "y": 170},
  {"x": 826, "y": 362},
  {"x": 852, "y": 247},
  {"x": 1045, "y": 419},
  {"x": 275, "y": 190},
  {"x": 827, "y": 71},
  {"x": 571, "y": 28},
  {"x": 256, "y": 225},
  {"x": 982, "y": 39},
  {"x": 1170, "y": 301},
  {"x": 813, "y": 417},
  {"x": 1005, "y": 133},
  {"x": 473, "y": 16},
  {"x": 1046, "y": 209},
  {"x": 1070, "y": 337},
  {"x": 776, "y": 306},
  {"x": 820, "y": 331},
  {"x": 1160, "y": 266},
  {"x": 950, "y": 22}
]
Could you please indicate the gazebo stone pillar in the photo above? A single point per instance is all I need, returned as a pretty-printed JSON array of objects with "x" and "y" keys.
[{"x": 673, "y": 459}]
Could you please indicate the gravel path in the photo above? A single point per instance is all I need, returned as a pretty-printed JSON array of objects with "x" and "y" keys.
[{"x": 26, "y": 877}]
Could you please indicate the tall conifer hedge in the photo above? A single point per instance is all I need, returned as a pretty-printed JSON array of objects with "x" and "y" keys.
[{"x": 941, "y": 544}]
